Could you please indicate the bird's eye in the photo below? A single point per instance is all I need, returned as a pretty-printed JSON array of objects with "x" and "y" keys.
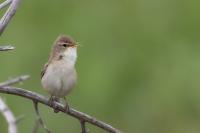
[{"x": 64, "y": 45}]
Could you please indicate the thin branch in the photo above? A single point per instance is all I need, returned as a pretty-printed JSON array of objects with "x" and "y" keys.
[
  {"x": 8, "y": 15},
  {"x": 83, "y": 128},
  {"x": 6, "y": 48},
  {"x": 19, "y": 119},
  {"x": 15, "y": 80},
  {"x": 39, "y": 118},
  {"x": 12, "y": 122},
  {"x": 12, "y": 128},
  {"x": 36, "y": 126},
  {"x": 5, "y": 3},
  {"x": 58, "y": 106}
]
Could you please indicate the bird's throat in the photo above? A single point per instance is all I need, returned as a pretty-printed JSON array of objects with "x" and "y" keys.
[{"x": 70, "y": 55}]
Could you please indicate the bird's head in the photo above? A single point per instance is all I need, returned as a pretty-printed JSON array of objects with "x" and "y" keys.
[{"x": 65, "y": 48}]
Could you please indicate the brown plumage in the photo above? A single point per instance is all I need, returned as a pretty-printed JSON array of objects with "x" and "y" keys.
[
  {"x": 58, "y": 76},
  {"x": 57, "y": 48}
]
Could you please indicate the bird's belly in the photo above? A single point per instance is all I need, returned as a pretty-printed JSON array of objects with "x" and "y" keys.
[{"x": 58, "y": 81}]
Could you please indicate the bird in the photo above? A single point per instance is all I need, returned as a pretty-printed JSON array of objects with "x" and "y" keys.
[{"x": 58, "y": 76}]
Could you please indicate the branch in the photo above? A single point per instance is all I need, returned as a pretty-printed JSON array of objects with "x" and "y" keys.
[
  {"x": 12, "y": 122},
  {"x": 19, "y": 119},
  {"x": 5, "y": 3},
  {"x": 12, "y": 128},
  {"x": 39, "y": 118},
  {"x": 8, "y": 15},
  {"x": 83, "y": 128},
  {"x": 6, "y": 48},
  {"x": 15, "y": 80},
  {"x": 57, "y": 106},
  {"x": 36, "y": 127}
]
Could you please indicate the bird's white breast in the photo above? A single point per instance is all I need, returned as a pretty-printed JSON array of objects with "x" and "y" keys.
[{"x": 60, "y": 76}]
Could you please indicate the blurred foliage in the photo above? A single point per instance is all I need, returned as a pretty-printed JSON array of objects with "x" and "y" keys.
[{"x": 138, "y": 67}]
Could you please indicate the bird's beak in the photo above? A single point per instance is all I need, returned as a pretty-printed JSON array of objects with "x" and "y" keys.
[
  {"x": 72, "y": 44},
  {"x": 75, "y": 45}
]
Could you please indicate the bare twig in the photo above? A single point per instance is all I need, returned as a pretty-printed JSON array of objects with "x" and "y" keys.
[
  {"x": 19, "y": 119},
  {"x": 5, "y": 3},
  {"x": 6, "y": 48},
  {"x": 36, "y": 126},
  {"x": 39, "y": 118},
  {"x": 12, "y": 128},
  {"x": 15, "y": 80},
  {"x": 8, "y": 15},
  {"x": 58, "y": 106},
  {"x": 83, "y": 128}
]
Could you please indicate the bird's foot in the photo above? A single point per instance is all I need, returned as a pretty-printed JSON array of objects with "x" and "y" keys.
[
  {"x": 51, "y": 100},
  {"x": 67, "y": 108}
]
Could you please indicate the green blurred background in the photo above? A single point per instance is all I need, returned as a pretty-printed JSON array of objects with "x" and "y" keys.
[{"x": 138, "y": 67}]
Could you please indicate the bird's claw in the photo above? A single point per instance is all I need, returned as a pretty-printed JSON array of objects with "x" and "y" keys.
[
  {"x": 51, "y": 100},
  {"x": 67, "y": 108}
]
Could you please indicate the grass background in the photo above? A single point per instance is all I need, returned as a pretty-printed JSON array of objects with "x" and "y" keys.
[{"x": 138, "y": 67}]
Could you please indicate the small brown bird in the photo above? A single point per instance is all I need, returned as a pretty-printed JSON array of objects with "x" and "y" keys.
[{"x": 58, "y": 76}]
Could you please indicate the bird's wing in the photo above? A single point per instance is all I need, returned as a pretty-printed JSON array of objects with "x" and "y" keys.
[{"x": 44, "y": 70}]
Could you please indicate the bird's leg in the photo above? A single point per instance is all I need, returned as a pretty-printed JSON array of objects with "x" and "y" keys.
[
  {"x": 66, "y": 105},
  {"x": 51, "y": 100}
]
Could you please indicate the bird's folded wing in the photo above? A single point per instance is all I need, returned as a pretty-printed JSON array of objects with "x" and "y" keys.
[{"x": 44, "y": 70}]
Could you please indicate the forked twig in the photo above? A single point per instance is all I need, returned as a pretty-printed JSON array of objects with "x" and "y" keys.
[
  {"x": 83, "y": 127},
  {"x": 39, "y": 118},
  {"x": 55, "y": 105},
  {"x": 7, "y": 113},
  {"x": 36, "y": 126},
  {"x": 19, "y": 119}
]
